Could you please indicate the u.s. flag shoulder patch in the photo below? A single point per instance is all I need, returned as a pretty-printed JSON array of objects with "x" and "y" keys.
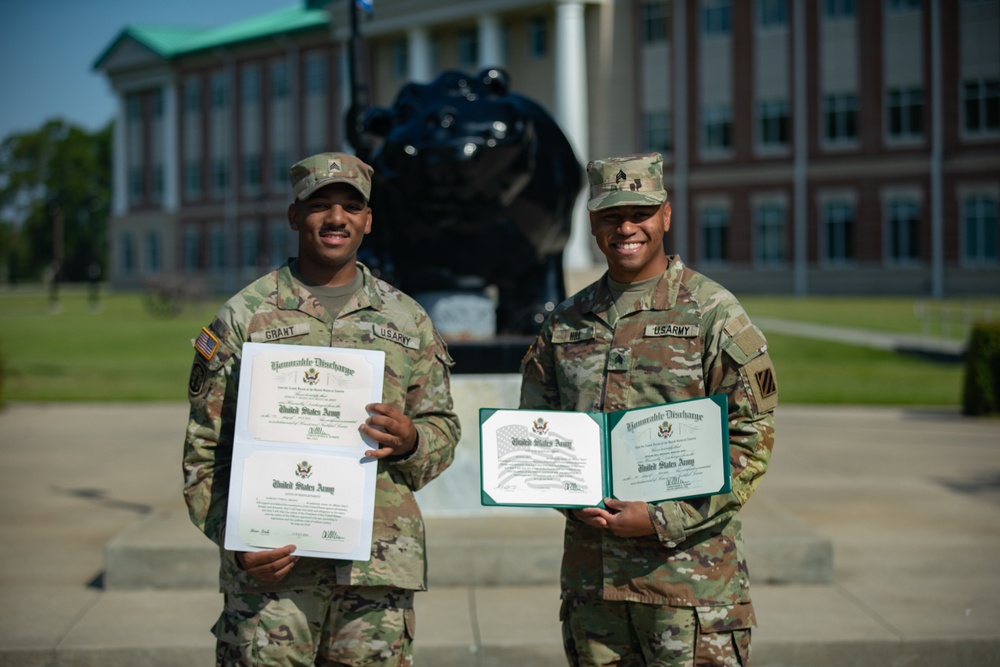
[{"x": 207, "y": 344}]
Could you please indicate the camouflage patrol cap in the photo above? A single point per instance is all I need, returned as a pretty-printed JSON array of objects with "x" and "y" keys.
[
  {"x": 635, "y": 180},
  {"x": 314, "y": 172}
]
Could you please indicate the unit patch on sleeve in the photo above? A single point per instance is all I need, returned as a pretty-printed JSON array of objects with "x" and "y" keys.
[
  {"x": 207, "y": 344},
  {"x": 196, "y": 383},
  {"x": 764, "y": 386}
]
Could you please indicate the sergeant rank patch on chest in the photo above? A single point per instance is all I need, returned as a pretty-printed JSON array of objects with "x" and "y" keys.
[{"x": 677, "y": 330}]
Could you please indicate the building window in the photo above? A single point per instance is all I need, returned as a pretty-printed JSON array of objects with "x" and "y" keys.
[
  {"x": 157, "y": 182},
  {"x": 133, "y": 105},
  {"x": 905, "y": 110},
  {"x": 278, "y": 245},
  {"x": 981, "y": 106},
  {"x": 251, "y": 171},
  {"x": 127, "y": 255},
  {"x": 315, "y": 75},
  {"x": 153, "y": 252},
  {"x": 192, "y": 179},
  {"x": 217, "y": 251},
  {"x": 248, "y": 247},
  {"x": 714, "y": 226},
  {"x": 400, "y": 59},
  {"x": 716, "y": 128},
  {"x": 220, "y": 91},
  {"x": 772, "y": 13},
  {"x": 250, "y": 85},
  {"x": 770, "y": 223},
  {"x": 538, "y": 37},
  {"x": 979, "y": 222},
  {"x": 840, "y": 114},
  {"x": 468, "y": 48},
  {"x": 435, "y": 50},
  {"x": 279, "y": 80},
  {"x": 190, "y": 250},
  {"x": 192, "y": 96},
  {"x": 838, "y": 232},
  {"x": 656, "y": 131},
  {"x": 838, "y": 9},
  {"x": 654, "y": 21},
  {"x": 279, "y": 170},
  {"x": 903, "y": 5},
  {"x": 220, "y": 176},
  {"x": 136, "y": 191},
  {"x": 715, "y": 17},
  {"x": 903, "y": 216},
  {"x": 772, "y": 123},
  {"x": 156, "y": 103}
]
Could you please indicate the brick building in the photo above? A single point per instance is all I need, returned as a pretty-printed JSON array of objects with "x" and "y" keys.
[{"x": 812, "y": 146}]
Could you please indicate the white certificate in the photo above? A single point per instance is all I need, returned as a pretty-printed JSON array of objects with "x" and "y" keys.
[
  {"x": 299, "y": 474},
  {"x": 545, "y": 458},
  {"x": 542, "y": 458}
]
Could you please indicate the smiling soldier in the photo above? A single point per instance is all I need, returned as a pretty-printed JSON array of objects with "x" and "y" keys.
[
  {"x": 654, "y": 583},
  {"x": 282, "y": 609}
]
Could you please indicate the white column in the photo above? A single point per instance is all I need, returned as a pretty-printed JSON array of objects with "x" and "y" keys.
[
  {"x": 571, "y": 114},
  {"x": 119, "y": 186},
  {"x": 418, "y": 55},
  {"x": 171, "y": 159},
  {"x": 490, "y": 46}
]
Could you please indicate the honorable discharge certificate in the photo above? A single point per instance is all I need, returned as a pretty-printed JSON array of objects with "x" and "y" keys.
[
  {"x": 576, "y": 459},
  {"x": 299, "y": 474}
]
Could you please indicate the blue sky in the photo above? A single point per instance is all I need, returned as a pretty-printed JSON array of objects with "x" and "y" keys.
[{"x": 48, "y": 48}]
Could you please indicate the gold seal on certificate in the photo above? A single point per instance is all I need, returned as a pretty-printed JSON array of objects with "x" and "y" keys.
[
  {"x": 299, "y": 474},
  {"x": 547, "y": 458}
]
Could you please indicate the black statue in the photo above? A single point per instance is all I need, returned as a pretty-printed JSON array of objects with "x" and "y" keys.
[{"x": 474, "y": 187}]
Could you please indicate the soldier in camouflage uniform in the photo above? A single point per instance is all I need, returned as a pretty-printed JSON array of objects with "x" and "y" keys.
[
  {"x": 282, "y": 609},
  {"x": 665, "y": 583}
]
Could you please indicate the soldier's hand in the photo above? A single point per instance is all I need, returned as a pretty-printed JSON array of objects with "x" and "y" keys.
[
  {"x": 595, "y": 517},
  {"x": 628, "y": 518},
  {"x": 271, "y": 565},
  {"x": 391, "y": 429}
]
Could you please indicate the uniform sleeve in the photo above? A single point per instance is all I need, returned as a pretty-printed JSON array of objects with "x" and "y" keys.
[
  {"x": 429, "y": 404},
  {"x": 208, "y": 444},
  {"x": 737, "y": 365},
  {"x": 539, "y": 389}
]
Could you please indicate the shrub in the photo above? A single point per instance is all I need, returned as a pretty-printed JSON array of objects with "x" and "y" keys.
[{"x": 981, "y": 390}]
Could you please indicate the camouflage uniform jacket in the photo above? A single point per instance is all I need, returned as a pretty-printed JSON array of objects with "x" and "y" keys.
[
  {"x": 416, "y": 381},
  {"x": 686, "y": 338}
]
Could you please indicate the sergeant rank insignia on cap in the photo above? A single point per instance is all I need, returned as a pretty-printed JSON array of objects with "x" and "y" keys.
[{"x": 206, "y": 344}]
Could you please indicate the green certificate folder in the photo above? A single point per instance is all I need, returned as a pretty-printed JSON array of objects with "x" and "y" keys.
[{"x": 551, "y": 458}]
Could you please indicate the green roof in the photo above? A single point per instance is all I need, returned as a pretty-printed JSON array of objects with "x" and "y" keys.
[{"x": 174, "y": 42}]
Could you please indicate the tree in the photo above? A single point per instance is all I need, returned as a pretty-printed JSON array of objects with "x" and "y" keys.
[{"x": 55, "y": 200}]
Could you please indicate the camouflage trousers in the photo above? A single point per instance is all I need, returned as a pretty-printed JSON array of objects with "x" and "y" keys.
[
  {"x": 601, "y": 633},
  {"x": 330, "y": 626}
]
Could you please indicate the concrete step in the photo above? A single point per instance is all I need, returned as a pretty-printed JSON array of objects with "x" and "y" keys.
[
  {"x": 814, "y": 626},
  {"x": 163, "y": 550}
]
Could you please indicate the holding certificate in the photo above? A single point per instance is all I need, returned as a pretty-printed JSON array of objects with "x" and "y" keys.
[
  {"x": 684, "y": 391},
  {"x": 320, "y": 402},
  {"x": 540, "y": 458}
]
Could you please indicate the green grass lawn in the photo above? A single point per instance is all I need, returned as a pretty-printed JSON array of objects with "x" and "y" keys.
[
  {"x": 122, "y": 352},
  {"x": 913, "y": 316}
]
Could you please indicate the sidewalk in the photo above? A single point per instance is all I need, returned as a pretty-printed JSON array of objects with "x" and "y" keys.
[{"x": 910, "y": 501}]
